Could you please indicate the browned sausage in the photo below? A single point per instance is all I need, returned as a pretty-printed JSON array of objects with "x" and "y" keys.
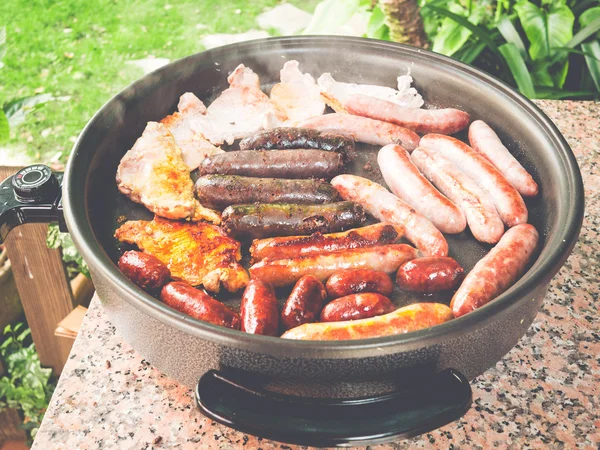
[
  {"x": 281, "y": 272},
  {"x": 410, "y": 318},
  {"x": 304, "y": 303},
  {"x": 359, "y": 280},
  {"x": 290, "y": 247},
  {"x": 429, "y": 275},
  {"x": 145, "y": 270},
  {"x": 199, "y": 305},
  {"x": 357, "y": 306},
  {"x": 260, "y": 310},
  {"x": 497, "y": 270}
]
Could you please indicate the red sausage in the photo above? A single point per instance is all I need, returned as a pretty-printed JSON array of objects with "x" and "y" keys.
[
  {"x": 199, "y": 305},
  {"x": 407, "y": 183},
  {"x": 508, "y": 201},
  {"x": 485, "y": 141},
  {"x": 497, "y": 270},
  {"x": 359, "y": 280},
  {"x": 260, "y": 310},
  {"x": 357, "y": 306},
  {"x": 429, "y": 275},
  {"x": 145, "y": 270},
  {"x": 304, "y": 303},
  {"x": 445, "y": 121}
]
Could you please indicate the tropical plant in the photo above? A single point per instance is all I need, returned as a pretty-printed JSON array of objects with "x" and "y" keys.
[
  {"x": 74, "y": 262},
  {"x": 26, "y": 386},
  {"x": 545, "y": 48}
]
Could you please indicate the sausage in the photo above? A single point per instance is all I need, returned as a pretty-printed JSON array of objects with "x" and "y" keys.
[
  {"x": 260, "y": 310},
  {"x": 363, "y": 129},
  {"x": 220, "y": 191},
  {"x": 480, "y": 212},
  {"x": 386, "y": 207},
  {"x": 145, "y": 270},
  {"x": 407, "y": 183},
  {"x": 304, "y": 303},
  {"x": 199, "y": 305},
  {"x": 508, "y": 201},
  {"x": 497, "y": 270},
  {"x": 286, "y": 219},
  {"x": 445, "y": 121},
  {"x": 404, "y": 320},
  {"x": 281, "y": 164},
  {"x": 430, "y": 275},
  {"x": 288, "y": 138},
  {"x": 282, "y": 272},
  {"x": 358, "y": 280},
  {"x": 290, "y": 247},
  {"x": 356, "y": 307},
  {"x": 485, "y": 141}
]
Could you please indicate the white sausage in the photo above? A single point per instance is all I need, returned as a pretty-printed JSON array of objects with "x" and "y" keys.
[
  {"x": 407, "y": 183},
  {"x": 508, "y": 201},
  {"x": 481, "y": 214},
  {"x": 363, "y": 129},
  {"x": 484, "y": 140},
  {"x": 386, "y": 207}
]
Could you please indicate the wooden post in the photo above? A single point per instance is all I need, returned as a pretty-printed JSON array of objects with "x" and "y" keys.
[{"x": 43, "y": 287}]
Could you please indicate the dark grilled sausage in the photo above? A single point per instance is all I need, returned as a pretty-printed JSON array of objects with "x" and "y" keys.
[
  {"x": 220, "y": 191},
  {"x": 259, "y": 310},
  {"x": 199, "y": 305},
  {"x": 359, "y": 280},
  {"x": 291, "y": 138},
  {"x": 304, "y": 303},
  {"x": 357, "y": 306},
  {"x": 286, "y": 219},
  {"x": 282, "y": 272},
  {"x": 293, "y": 246},
  {"x": 145, "y": 270},
  {"x": 429, "y": 275},
  {"x": 404, "y": 320},
  {"x": 281, "y": 164}
]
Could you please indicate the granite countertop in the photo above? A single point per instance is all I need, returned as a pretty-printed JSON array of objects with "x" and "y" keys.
[{"x": 545, "y": 393}]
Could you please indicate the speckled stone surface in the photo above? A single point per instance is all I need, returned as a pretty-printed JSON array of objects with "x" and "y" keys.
[{"x": 544, "y": 394}]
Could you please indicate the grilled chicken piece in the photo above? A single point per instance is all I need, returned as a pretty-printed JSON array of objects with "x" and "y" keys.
[
  {"x": 153, "y": 173},
  {"x": 197, "y": 253},
  {"x": 297, "y": 97},
  {"x": 337, "y": 94},
  {"x": 193, "y": 146},
  {"x": 241, "y": 110}
]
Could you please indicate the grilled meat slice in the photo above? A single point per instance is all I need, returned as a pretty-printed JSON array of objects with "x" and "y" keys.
[
  {"x": 197, "y": 253},
  {"x": 241, "y": 110},
  {"x": 193, "y": 146},
  {"x": 153, "y": 173},
  {"x": 297, "y": 96}
]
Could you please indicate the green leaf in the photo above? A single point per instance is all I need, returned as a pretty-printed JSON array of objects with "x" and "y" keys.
[
  {"x": 545, "y": 30},
  {"x": 4, "y": 127},
  {"x": 472, "y": 52},
  {"x": 584, "y": 33},
  {"x": 576, "y": 51},
  {"x": 24, "y": 335},
  {"x": 511, "y": 35},
  {"x": 593, "y": 64},
  {"x": 518, "y": 69},
  {"x": 481, "y": 33},
  {"x": 540, "y": 75},
  {"x": 330, "y": 15},
  {"x": 559, "y": 75},
  {"x": 376, "y": 28},
  {"x": 17, "y": 110},
  {"x": 56, "y": 239},
  {"x": 53, "y": 236},
  {"x": 589, "y": 16},
  {"x": 559, "y": 94}
]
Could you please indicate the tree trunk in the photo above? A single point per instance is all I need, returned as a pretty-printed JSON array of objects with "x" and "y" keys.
[{"x": 404, "y": 20}]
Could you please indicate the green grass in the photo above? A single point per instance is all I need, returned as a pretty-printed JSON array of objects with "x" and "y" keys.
[{"x": 78, "y": 49}]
